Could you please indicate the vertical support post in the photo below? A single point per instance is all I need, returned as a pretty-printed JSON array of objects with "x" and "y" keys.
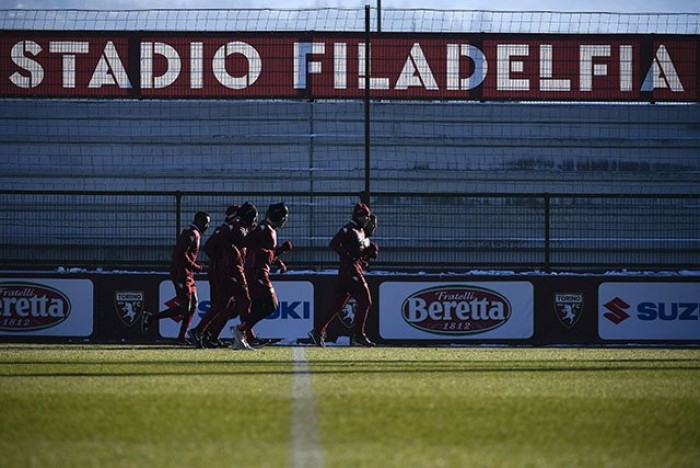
[
  {"x": 312, "y": 151},
  {"x": 379, "y": 15},
  {"x": 178, "y": 213},
  {"x": 547, "y": 217},
  {"x": 367, "y": 113}
]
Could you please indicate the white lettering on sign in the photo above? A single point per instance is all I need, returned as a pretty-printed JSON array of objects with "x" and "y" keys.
[
  {"x": 421, "y": 68},
  {"x": 19, "y": 58},
  {"x": 506, "y": 64},
  {"x": 662, "y": 73}
]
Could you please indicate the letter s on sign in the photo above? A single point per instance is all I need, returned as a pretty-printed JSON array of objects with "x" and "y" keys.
[
  {"x": 646, "y": 311},
  {"x": 36, "y": 71}
]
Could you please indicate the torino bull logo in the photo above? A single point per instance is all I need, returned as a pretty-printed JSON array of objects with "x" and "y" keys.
[
  {"x": 568, "y": 308},
  {"x": 347, "y": 314},
  {"x": 129, "y": 306}
]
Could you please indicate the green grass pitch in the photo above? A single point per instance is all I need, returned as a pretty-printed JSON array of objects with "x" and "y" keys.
[{"x": 158, "y": 406}]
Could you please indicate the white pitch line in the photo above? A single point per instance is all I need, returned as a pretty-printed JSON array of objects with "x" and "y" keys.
[{"x": 306, "y": 446}]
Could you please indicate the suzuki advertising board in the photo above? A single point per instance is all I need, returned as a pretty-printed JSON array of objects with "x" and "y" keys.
[
  {"x": 456, "y": 311},
  {"x": 649, "y": 311},
  {"x": 46, "y": 307},
  {"x": 292, "y": 320}
]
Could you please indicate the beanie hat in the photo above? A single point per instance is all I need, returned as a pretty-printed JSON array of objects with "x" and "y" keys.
[
  {"x": 360, "y": 210},
  {"x": 278, "y": 211},
  {"x": 247, "y": 212},
  {"x": 231, "y": 211}
]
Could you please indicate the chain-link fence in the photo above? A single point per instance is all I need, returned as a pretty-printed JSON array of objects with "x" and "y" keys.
[
  {"x": 421, "y": 232},
  {"x": 105, "y": 115},
  {"x": 352, "y": 19}
]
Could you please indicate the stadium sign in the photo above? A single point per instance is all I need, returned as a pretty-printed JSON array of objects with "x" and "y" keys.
[
  {"x": 305, "y": 65},
  {"x": 46, "y": 307},
  {"x": 26, "y": 306},
  {"x": 291, "y": 321},
  {"x": 456, "y": 311},
  {"x": 649, "y": 311}
]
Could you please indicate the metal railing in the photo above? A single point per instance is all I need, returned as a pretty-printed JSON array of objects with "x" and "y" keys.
[{"x": 417, "y": 232}]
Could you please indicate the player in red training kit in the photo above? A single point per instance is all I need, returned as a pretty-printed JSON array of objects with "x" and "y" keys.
[
  {"x": 233, "y": 297},
  {"x": 214, "y": 247},
  {"x": 182, "y": 269},
  {"x": 353, "y": 246},
  {"x": 262, "y": 253}
]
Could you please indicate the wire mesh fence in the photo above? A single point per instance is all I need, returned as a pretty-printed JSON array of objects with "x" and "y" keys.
[
  {"x": 419, "y": 232},
  {"x": 105, "y": 115},
  {"x": 324, "y": 53},
  {"x": 352, "y": 19}
]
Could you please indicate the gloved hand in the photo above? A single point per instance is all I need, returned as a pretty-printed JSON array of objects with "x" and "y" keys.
[
  {"x": 285, "y": 247},
  {"x": 281, "y": 266},
  {"x": 370, "y": 226},
  {"x": 373, "y": 250}
]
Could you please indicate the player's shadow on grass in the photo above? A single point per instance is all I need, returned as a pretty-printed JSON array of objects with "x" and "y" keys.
[
  {"x": 85, "y": 347},
  {"x": 184, "y": 369}
]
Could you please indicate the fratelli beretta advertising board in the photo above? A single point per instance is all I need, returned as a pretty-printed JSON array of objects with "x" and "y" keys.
[{"x": 454, "y": 311}]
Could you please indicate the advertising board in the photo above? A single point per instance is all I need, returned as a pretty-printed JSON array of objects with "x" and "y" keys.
[
  {"x": 456, "y": 310},
  {"x": 649, "y": 311},
  {"x": 291, "y": 321},
  {"x": 46, "y": 307}
]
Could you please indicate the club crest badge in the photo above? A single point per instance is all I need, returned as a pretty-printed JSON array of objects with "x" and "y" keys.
[
  {"x": 129, "y": 306},
  {"x": 568, "y": 307},
  {"x": 347, "y": 314}
]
